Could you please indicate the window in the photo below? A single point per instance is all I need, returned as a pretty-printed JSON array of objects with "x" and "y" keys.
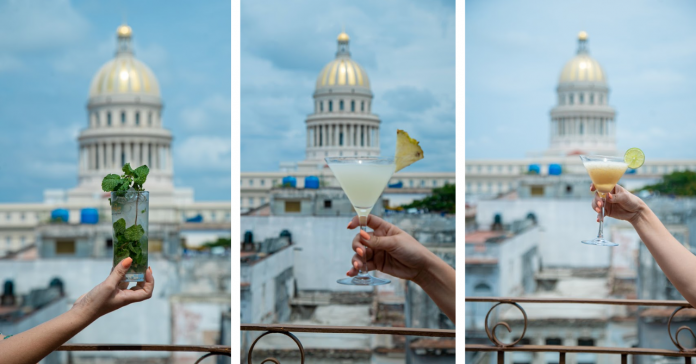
[
  {"x": 591, "y": 99},
  {"x": 352, "y": 105},
  {"x": 570, "y": 99},
  {"x": 149, "y": 118},
  {"x": 251, "y": 201},
  {"x": 321, "y": 106},
  {"x": 137, "y": 118},
  {"x": 123, "y": 117},
  {"x": 330, "y": 106},
  {"x": 581, "y": 98},
  {"x": 251, "y": 182},
  {"x": 434, "y": 183},
  {"x": 340, "y": 105},
  {"x": 601, "y": 99},
  {"x": 327, "y": 204},
  {"x": 340, "y": 138},
  {"x": 21, "y": 216},
  {"x": 554, "y": 341},
  {"x": 108, "y": 118},
  {"x": 96, "y": 118},
  {"x": 537, "y": 190},
  {"x": 292, "y": 206},
  {"x": 65, "y": 247},
  {"x": 586, "y": 342},
  {"x": 109, "y": 243},
  {"x": 422, "y": 183},
  {"x": 410, "y": 183},
  {"x": 263, "y": 182},
  {"x": 362, "y": 105},
  {"x": 23, "y": 240}
]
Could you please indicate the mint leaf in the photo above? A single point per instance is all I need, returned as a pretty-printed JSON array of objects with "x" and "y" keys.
[
  {"x": 120, "y": 227},
  {"x": 128, "y": 170},
  {"x": 124, "y": 185},
  {"x": 141, "y": 175},
  {"x": 134, "y": 233},
  {"x": 111, "y": 182}
]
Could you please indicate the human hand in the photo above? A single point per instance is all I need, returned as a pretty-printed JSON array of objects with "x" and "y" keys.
[
  {"x": 113, "y": 294},
  {"x": 389, "y": 250},
  {"x": 621, "y": 204}
]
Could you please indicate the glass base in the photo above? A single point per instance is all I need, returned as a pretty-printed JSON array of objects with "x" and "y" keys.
[
  {"x": 363, "y": 280},
  {"x": 134, "y": 277},
  {"x": 600, "y": 242}
]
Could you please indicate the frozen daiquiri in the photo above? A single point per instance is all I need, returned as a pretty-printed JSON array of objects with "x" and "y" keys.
[
  {"x": 363, "y": 179},
  {"x": 129, "y": 215},
  {"x": 605, "y": 173}
]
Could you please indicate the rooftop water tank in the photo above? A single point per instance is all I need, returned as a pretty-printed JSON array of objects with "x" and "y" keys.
[
  {"x": 534, "y": 168},
  {"x": 399, "y": 184},
  {"x": 555, "y": 169},
  {"x": 310, "y": 182},
  {"x": 89, "y": 216},
  {"x": 289, "y": 181},
  {"x": 60, "y": 215}
]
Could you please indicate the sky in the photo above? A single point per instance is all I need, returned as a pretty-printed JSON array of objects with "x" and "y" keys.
[
  {"x": 515, "y": 51},
  {"x": 48, "y": 56},
  {"x": 406, "y": 47}
]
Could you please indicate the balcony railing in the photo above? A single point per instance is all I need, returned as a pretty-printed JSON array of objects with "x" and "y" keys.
[
  {"x": 209, "y": 350},
  {"x": 288, "y": 330},
  {"x": 501, "y": 348}
]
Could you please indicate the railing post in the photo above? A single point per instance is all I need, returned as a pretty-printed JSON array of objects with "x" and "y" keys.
[
  {"x": 501, "y": 357},
  {"x": 561, "y": 359},
  {"x": 687, "y": 360},
  {"x": 624, "y": 358}
]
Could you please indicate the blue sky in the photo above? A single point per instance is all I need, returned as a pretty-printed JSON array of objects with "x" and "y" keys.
[
  {"x": 406, "y": 47},
  {"x": 48, "y": 56},
  {"x": 515, "y": 51}
]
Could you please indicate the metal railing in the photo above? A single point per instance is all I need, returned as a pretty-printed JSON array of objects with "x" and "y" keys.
[
  {"x": 288, "y": 330},
  {"x": 209, "y": 350},
  {"x": 501, "y": 348}
]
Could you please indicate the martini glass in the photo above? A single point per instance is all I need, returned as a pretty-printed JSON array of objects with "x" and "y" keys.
[
  {"x": 605, "y": 172},
  {"x": 363, "y": 179}
]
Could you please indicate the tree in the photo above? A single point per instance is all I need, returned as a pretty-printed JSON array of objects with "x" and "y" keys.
[
  {"x": 443, "y": 199},
  {"x": 676, "y": 183}
]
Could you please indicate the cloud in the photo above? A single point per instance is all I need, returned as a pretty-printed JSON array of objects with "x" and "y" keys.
[
  {"x": 9, "y": 63},
  {"x": 207, "y": 115},
  {"x": 204, "y": 153},
  {"x": 410, "y": 99},
  {"x": 27, "y": 26}
]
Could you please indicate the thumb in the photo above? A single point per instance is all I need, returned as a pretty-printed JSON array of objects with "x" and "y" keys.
[{"x": 119, "y": 271}]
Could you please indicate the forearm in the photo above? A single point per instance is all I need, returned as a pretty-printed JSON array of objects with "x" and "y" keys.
[
  {"x": 34, "y": 344},
  {"x": 438, "y": 280},
  {"x": 677, "y": 262}
]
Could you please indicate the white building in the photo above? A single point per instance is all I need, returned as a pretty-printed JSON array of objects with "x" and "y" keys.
[
  {"x": 124, "y": 125},
  {"x": 342, "y": 124},
  {"x": 582, "y": 122}
]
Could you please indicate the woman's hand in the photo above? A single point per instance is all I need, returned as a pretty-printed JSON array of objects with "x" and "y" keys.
[
  {"x": 113, "y": 294},
  {"x": 389, "y": 250},
  {"x": 621, "y": 204}
]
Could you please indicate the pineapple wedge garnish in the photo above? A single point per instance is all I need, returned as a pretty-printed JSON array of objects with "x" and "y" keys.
[{"x": 407, "y": 150}]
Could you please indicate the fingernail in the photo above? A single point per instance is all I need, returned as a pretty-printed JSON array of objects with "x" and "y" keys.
[
  {"x": 348, "y": 227},
  {"x": 348, "y": 273},
  {"x": 355, "y": 264},
  {"x": 364, "y": 235},
  {"x": 126, "y": 262},
  {"x": 359, "y": 251},
  {"x": 150, "y": 269}
]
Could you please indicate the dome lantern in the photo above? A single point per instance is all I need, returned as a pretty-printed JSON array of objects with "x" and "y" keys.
[
  {"x": 124, "y": 34},
  {"x": 582, "y": 42},
  {"x": 343, "y": 49}
]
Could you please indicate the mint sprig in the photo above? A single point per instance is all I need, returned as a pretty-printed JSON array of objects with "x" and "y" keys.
[{"x": 129, "y": 241}]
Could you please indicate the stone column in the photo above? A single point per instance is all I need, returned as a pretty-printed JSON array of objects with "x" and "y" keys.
[
  {"x": 336, "y": 142},
  {"x": 109, "y": 155},
  {"x": 136, "y": 155},
  {"x": 308, "y": 136},
  {"x": 146, "y": 154},
  {"x": 170, "y": 165},
  {"x": 117, "y": 155},
  {"x": 92, "y": 156},
  {"x": 128, "y": 151}
]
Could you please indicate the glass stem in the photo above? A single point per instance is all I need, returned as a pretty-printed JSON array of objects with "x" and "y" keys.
[
  {"x": 600, "y": 235},
  {"x": 364, "y": 270}
]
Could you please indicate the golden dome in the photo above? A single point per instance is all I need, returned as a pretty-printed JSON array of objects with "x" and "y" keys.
[
  {"x": 582, "y": 68},
  {"x": 343, "y": 37},
  {"x": 582, "y": 35},
  {"x": 124, "y": 31},
  {"x": 124, "y": 75},
  {"x": 342, "y": 71}
]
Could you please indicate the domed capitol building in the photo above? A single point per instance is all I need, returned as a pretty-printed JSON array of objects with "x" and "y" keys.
[
  {"x": 582, "y": 122},
  {"x": 342, "y": 124},
  {"x": 124, "y": 125}
]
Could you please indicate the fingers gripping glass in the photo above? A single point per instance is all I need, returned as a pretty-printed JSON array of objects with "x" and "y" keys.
[
  {"x": 605, "y": 173},
  {"x": 363, "y": 179}
]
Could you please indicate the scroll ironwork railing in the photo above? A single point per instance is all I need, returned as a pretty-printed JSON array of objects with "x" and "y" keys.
[
  {"x": 501, "y": 348},
  {"x": 206, "y": 350},
  {"x": 288, "y": 331}
]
